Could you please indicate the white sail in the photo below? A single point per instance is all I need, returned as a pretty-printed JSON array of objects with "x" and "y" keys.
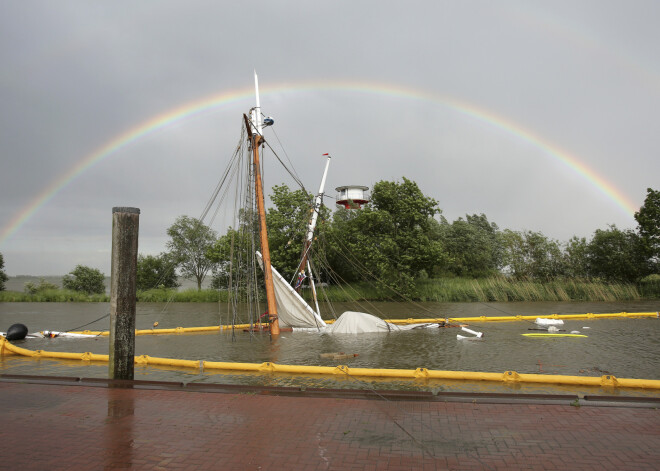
[
  {"x": 292, "y": 310},
  {"x": 352, "y": 322}
]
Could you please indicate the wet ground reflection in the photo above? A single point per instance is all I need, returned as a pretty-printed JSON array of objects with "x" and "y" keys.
[{"x": 118, "y": 440}]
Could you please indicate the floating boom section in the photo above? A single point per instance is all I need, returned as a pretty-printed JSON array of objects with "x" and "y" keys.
[{"x": 292, "y": 310}]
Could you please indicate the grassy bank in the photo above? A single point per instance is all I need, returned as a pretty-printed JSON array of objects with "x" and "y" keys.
[{"x": 440, "y": 290}]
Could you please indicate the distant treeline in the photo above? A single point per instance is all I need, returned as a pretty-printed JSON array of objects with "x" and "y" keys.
[
  {"x": 398, "y": 246},
  {"x": 401, "y": 247}
]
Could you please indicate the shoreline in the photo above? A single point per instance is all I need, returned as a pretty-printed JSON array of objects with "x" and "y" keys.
[{"x": 456, "y": 290}]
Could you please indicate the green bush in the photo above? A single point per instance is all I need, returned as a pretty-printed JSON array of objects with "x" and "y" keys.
[
  {"x": 85, "y": 279},
  {"x": 33, "y": 288},
  {"x": 649, "y": 286}
]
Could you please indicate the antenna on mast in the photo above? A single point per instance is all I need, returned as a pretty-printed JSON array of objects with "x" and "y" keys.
[{"x": 256, "y": 111}]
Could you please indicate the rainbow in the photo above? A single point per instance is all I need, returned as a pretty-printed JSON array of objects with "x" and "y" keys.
[{"x": 212, "y": 102}]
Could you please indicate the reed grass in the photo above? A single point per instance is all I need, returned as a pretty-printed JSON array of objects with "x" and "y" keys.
[
  {"x": 188, "y": 296},
  {"x": 498, "y": 289},
  {"x": 503, "y": 289},
  {"x": 53, "y": 296}
]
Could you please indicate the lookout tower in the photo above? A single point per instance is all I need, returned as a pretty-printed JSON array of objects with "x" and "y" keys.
[{"x": 352, "y": 196}]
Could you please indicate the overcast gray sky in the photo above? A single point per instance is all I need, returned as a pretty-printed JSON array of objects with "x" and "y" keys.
[{"x": 542, "y": 115}]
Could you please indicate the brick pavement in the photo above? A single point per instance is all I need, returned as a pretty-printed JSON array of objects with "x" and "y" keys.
[{"x": 62, "y": 426}]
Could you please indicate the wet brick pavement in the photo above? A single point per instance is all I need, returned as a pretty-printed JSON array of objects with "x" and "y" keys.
[{"x": 65, "y": 426}]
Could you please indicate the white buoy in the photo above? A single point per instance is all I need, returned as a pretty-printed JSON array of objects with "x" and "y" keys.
[
  {"x": 473, "y": 332},
  {"x": 543, "y": 321},
  {"x": 53, "y": 333},
  {"x": 463, "y": 337}
]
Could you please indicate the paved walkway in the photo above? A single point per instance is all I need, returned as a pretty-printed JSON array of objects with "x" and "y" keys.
[{"x": 49, "y": 424}]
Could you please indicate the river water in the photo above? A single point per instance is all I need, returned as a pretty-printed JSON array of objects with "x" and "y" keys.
[{"x": 626, "y": 348}]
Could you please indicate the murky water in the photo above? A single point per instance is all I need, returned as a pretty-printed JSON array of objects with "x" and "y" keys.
[{"x": 626, "y": 348}]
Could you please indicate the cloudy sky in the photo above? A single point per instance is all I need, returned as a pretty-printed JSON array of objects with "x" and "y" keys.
[{"x": 542, "y": 115}]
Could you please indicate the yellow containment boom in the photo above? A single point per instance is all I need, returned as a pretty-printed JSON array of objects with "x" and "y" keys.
[
  {"x": 410, "y": 320},
  {"x": 552, "y": 335},
  {"x": 475, "y": 319},
  {"x": 7, "y": 347}
]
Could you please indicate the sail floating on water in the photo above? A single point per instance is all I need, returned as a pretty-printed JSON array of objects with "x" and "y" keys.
[{"x": 292, "y": 309}]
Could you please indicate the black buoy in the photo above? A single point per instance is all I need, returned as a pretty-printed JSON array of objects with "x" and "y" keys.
[{"x": 17, "y": 332}]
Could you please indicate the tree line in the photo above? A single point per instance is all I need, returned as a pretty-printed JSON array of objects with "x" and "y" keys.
[
  {"x": 401, "y": 237},
  {"x": 398, "y": 238}
]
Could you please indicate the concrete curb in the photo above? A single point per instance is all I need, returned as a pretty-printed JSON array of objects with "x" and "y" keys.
[{"x": 576, "y": 400}]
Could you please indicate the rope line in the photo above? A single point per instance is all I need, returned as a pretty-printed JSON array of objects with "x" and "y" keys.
[{"x": 85, "y": 325}]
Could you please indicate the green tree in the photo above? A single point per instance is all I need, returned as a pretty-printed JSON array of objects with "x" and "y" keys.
[
  {"x": 156, "y": 272},
  {"x": 3, "y": 275},
  {"x": 531, "y": 255},
  {"x": 234, "y": 259},
  {"x": 85, "y": 279},
  {"x": 617, "y": 255},
  {"x": 514, "y": 253},
  {"x": 473, "y": 246},
  {"x": 390, "y": 238},
  {"x": 220, "y": 254},
  {"x": 648, "y": 221},
  {"x": 190, "y": 240},
  {"x": 287, "y": 223},
  {"x": 576, "y": 258},
  {"x": 359, "y": 244},
  {"x": 338, "y": 242}
]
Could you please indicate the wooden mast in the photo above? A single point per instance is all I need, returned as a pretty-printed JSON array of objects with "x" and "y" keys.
[{"x": 255, "y": 141}]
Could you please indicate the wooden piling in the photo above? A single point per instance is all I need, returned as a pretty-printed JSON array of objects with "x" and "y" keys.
[{"x": 123, "y": 282}]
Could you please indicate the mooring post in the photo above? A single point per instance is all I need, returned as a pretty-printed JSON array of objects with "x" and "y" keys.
[{"x": 123, "y": 282}]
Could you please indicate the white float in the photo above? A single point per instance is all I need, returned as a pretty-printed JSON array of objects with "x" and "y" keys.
[{"x": 544, "y": 321}]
